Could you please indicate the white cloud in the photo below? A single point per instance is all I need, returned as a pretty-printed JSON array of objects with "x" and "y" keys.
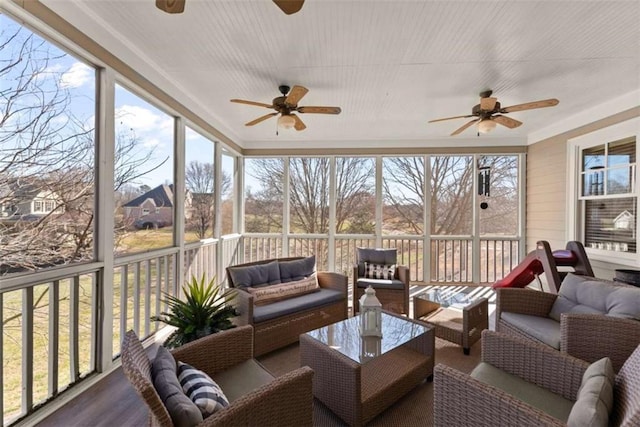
[{"x": 77, "y": 75}]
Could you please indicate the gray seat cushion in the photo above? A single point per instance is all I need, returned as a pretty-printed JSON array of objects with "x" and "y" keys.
[
  {"x": 293, "y": 305},
  {"x": 581, "y": 294},
  {"x": 255, "y": 275},
  {"x": 380, "y": 283},
  {"x": 242, "y": 379},
  {"x": 543, "y": 329},
  {"x": 538, "y": 397}
]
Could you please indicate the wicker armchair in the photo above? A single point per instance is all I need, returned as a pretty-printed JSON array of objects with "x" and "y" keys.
[
  {"x": 284, "y": 401},
  {"x": 393, "y": 293},
  {"x": 585, "y": 336},
  {"x": 462, "y": 399}
]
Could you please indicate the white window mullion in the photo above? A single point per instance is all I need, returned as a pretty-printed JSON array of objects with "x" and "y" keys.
[
  {"x": 104, "y": 213},
  {"x": 331, "y": 252},
  {"x": 285, "y": 208}
]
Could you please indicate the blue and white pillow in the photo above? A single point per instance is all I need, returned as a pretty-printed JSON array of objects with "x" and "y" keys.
[{"x": 201, "y": 389}]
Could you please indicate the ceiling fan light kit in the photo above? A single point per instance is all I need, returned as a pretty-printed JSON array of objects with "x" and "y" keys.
[
  {"x": 488, "y": 113},
  {"x": 286, "y": 122},
  {"x": 486, "y": 126}
]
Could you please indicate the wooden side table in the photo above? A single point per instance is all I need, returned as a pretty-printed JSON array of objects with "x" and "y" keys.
[{"x": 457, "y": 318}]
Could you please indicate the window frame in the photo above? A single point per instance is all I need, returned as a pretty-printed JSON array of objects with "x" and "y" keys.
[{"x": 575, "y": 218}]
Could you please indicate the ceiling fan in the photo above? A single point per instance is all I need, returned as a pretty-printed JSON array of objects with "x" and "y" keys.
[
  {"x": 177, "y": 6},
  {"x": 286, "y": 105},
  {"x": 489, "y": 112}
]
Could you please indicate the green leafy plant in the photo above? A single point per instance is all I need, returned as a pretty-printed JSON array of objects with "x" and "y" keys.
[{"x": 205, "y": 310}]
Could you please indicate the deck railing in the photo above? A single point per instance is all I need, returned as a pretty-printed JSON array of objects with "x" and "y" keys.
[
  {"x": 51, "y": 319},
  {"x": 49, "y": 331}
]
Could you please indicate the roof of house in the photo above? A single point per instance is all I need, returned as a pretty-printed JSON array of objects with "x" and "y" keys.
[{"x": 162, "y": 195}]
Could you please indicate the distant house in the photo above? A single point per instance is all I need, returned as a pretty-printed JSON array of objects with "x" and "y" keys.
[
  {"x": 624, "y": 221},
  {"x": 22, "y": 200},
  {"x": 152, "y": 209}
]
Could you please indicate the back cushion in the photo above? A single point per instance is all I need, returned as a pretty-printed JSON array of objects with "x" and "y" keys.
[
  {"x": 296, "y": 269},
  {"x": 595, "y": 396},
  {"x": 183, "y": 412},
  {"x": 255, "y": 275},
  {"x": 375, "y": 256},
  {"x": 580, "y": 294}
]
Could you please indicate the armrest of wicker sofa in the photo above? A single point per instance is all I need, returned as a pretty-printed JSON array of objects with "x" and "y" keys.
[
  {"x": 460, "y": 399},
  {"x": 335, "y": 281},
  {"x": 524, "y": 301},
  {"x": 593, "y": 336},
  {"x": 534, "y": 362},
  {"x": 286, "y": 401},
  {"x": 244, "y": 306},
  {"x": 217, "y": 352}
]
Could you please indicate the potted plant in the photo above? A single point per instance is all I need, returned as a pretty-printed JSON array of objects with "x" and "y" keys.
[{"x": 205, "y": 310}]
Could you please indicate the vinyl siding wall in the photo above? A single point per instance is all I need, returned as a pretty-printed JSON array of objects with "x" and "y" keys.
[{"x": 546, "y": 204}]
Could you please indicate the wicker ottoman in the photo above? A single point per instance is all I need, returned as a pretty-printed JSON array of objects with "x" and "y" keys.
[{"x": 456, "y": 319}]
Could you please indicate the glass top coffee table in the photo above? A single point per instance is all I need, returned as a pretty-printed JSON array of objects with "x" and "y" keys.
[
  {"x": 457, "y": 316},
  {"x": 356, "y": 377}
]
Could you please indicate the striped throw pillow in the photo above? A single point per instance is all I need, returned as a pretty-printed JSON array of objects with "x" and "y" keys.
[
  {"x": 201, "y": 389},
  {"x": 379, "y": 271}
]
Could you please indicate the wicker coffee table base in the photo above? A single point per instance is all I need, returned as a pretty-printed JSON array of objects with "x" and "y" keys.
[{"x": 358, "y": 392}]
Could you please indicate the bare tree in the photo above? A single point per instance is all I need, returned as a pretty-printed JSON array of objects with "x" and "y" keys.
[
  {"x": 200, "y": 180},
  {"x": 47, "y": 159},
  {"x": 309, "y": 193}
]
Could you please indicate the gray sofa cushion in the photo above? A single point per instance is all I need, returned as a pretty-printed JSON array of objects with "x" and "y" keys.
[
  {"x": 293, "y": 270},
  {"x": 538, "y": 397},
  {"x": 580, "y": 294},
  {"x": 294, "y": 305},
  {"x": 381, "y": 283},
  {"x": 241, "y": 379},
  {"x": 376, "y": 256},
  {"x": 183, "y": 412},
  {"x": 543, "y": 329},
  {"x": 595, "y": 396},
  {"x": 255, "y": 275}
]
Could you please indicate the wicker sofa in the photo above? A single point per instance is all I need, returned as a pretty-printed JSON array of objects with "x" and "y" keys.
[
  {"x": 588, "y": 319},
  {"x": 280, "y": 323},
  {"x": 523, "y": 383},
  {"x": 255, "y": 396}
]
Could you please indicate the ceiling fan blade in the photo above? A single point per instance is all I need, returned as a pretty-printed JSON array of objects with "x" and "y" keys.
[
  {"x": 319, "y": 110},
  {"x": 289, "y": 6},
  {"x": 171, "y": 6},
  {"x": 463, "y": 127},
  {"x": 299, "y": 123},
  {"x": 488, "y": 104},
  {"x": 451, "y": 118},
  {"x": 260, "y": 119},
  {"x": 530, "y": 105},
  {"x": 258, "y": 104},
  {"x": 506, "y": 121},
  {"x": 295, "y": 95}
]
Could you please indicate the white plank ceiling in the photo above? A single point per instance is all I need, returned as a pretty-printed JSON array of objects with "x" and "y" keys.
[{"x": 390, "y": 65}]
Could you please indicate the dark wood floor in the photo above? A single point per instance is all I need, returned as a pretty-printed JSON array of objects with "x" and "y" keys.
[{"x": 109, "y": 403}]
